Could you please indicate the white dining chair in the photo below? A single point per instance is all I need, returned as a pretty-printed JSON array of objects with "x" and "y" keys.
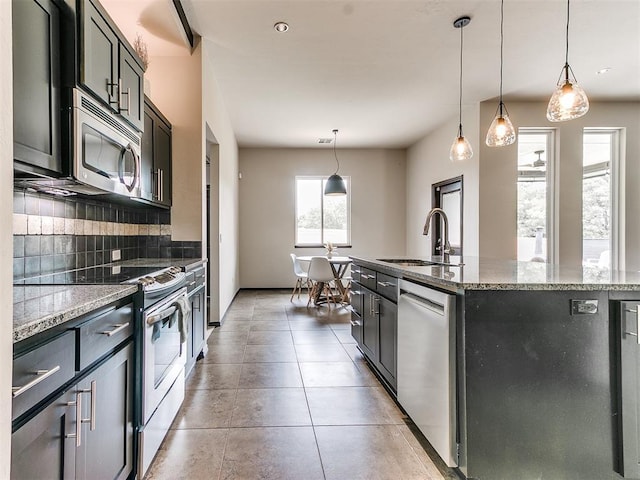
[
  {"x": 302, "y": 277},
  {"x": 321, "y": 275}
]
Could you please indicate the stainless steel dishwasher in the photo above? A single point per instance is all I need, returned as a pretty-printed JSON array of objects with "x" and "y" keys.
[{"x": 426, "y": 364}]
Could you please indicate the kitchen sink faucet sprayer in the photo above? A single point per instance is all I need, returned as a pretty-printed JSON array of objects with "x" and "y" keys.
[{"x": 444, "y": 247}]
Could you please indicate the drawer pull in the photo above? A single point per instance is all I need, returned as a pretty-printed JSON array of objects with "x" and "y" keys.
[
  {"x": 386, "y": 284},
  {"x": 119, "y": 328},
  {"x": 192, "y": 283},
  {"x": 365, "y": 276},
  {"x": 355, "y": 323},
  {"x": 41, "y": 376}
]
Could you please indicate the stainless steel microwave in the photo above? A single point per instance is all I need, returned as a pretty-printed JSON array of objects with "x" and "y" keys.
[
  {"x": 102, "y": 149},
  {"x": 106, "y": 151}
]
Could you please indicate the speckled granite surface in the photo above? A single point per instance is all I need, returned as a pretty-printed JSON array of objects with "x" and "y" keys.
[
  {"x": 38, "y": 308},
  {"x": 491, "y": 274}
]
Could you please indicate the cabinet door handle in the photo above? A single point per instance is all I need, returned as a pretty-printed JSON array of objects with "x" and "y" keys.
[
  {"x": 376, "y": 301},
  {"x": 637, "y": 334},
  {"x": 161, "y": 184},
  {"x": 120, "y": 102},
  {"x": 386, "y": 284},
  {"x": 355, "y": 323},
  {"x": 78, "y": 405},
  {"x": 42, "y": 375},
  {"x": 110, "y": 87},
  {"x": 92, "y": 417},
  {"x": 119, "y": 327}
]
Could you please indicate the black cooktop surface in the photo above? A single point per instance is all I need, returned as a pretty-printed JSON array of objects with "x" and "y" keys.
[{"x": 94, "y": 275}]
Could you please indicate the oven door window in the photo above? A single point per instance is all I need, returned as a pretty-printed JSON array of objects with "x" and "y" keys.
[
  {"x": 166, "y": 345},
  {"x": 108, "y": 158}
]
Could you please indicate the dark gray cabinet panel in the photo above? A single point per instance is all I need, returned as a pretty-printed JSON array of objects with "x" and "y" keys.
[
  {"x": 108, "y": 441},
  {"x": 156, "y": 156},
  {"x": 36, "y": 86},
  {"x": 388, "y": 318},
  {"x": 630, "y": 388},
  {"x": 108, "y": 67},
  {"x": 41, "y": 448},
  {"x": 370, "y": 324},
  {"x": 99, "y": 70},
  {"x": 131, "y": 88},
  {"x": 536, "y": 387},
  {"x": 197, "y": 331}
]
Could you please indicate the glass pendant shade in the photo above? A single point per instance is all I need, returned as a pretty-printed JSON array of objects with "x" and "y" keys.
[
  {"x": 501, "y": 131},
  {"x": 568, "y": 101},
  {"x": 335, "y": 185},
  {"x": 460, "y": 150}
]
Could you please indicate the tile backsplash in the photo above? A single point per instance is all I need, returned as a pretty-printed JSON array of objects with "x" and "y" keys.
[{"x": 52, "y": 234}]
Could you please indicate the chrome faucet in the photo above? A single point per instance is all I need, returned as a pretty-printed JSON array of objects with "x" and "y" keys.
[{"x": 444, "y": 247}]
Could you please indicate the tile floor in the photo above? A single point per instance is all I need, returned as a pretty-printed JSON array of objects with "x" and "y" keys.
[{"x": 284, "y": 394}]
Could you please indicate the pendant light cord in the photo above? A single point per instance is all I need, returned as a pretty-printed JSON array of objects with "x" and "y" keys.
[
  {"x": 566, "y": 58},
  {"x": 460, "y": 95},
  {"x": 335, "y": 140},
  {"x": 501, "y": 49}
]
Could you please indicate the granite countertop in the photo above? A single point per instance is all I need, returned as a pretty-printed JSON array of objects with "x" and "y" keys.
[
  {"x": 492, "y": 274},
  {"x": 38, "y": 308}
]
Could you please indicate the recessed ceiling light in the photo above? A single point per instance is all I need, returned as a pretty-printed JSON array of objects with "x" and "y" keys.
[
  {"x": 603, "y": 70},
  {"x": 281, "y": 27}
]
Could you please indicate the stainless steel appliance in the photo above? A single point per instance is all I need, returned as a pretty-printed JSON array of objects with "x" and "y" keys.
[
  {"x": 426, "y": 364},
  {"x": 104, "y": 152}
]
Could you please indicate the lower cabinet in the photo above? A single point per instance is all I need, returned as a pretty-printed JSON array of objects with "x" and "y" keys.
[
  {"x": 106, "y": 449},
  {"x": 629, "y": 323},
  {"x": 374, "y": 325},
  {"x": 86, "y": 431},
  {"x": 42, "y": 448},
  {"x": 197, "y": 330}
]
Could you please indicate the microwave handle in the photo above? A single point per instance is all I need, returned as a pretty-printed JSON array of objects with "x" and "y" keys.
[{"x": 136, "y": 168}]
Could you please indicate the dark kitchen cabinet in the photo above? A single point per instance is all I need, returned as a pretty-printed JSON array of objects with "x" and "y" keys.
[
  {"x": 374, "y": 319},
  {"x": 74, "y": 419},
  {"x": 196, "y": 341},
  {"x": 630, "y": 387},
  {"x": 42, "y": 448},
  {"x": 36, "y": 86},
  {"x": 388, "y": 324},
  {"x": 107, "y": 438},
  {"x": 155, "y": 180},
  {"x": 109, "y": 67},
  {"x": 370, "y": 325}
]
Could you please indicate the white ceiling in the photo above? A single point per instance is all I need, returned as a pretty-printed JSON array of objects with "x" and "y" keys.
[{"x": 385, "y": 72}]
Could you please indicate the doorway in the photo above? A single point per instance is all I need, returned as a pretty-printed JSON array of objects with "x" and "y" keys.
[{"x": 213, "y": 227}]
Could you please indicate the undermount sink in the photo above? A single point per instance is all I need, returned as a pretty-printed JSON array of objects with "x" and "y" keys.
[
  {"x": 407, "y": 262},
  {"x": 412, "y": 262}
]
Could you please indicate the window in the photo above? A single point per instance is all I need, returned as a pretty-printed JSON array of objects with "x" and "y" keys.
[
  {"x": 599, "y": 166},
  {"x": 535, "y": 195},
  {"x": 319, "y": 218}
]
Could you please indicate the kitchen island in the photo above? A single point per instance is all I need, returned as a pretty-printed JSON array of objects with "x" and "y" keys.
[{"x": 544, "y": 362}]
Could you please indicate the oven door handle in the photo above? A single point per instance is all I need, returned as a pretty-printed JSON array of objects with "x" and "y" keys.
[{"x": 161, "y": 316}]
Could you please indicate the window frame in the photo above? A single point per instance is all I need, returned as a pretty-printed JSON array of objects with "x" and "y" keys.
[
  {"x": 616, "y": 192},
  {"x": 552, "y": 194},
  {"x": 323, "y": 179}
]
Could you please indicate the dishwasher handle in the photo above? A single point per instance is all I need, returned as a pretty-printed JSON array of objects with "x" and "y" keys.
[{"x": 423, "y": 303}]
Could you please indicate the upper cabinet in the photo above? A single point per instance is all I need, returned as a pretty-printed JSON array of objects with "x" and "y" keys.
[
  {"x": 155, "y": 174},
  {"x": 108, "y": 65},
  {"x": 36, "y": 86}
]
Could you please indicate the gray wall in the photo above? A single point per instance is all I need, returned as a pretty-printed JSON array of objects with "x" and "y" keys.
[{"x": 267, "y": 207}]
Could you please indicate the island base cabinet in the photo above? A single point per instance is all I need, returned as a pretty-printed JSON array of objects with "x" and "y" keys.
[
  {"x": 628, "y": 331},
  {"x": 42, "y": 448},
  {"x": 536, "y": 395}
]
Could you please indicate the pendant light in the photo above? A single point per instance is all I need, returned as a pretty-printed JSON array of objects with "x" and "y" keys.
[
  {"x": 501, "y": 131},
  {"x": 569, "y": 100},
  {"x": 335, "y": 184},
  {"x": 461, "y": 148}
]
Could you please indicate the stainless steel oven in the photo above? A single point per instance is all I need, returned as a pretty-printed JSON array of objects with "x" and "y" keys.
[
  {"x": 163, "y": 361},
  {"x": 106, "y": 151}
]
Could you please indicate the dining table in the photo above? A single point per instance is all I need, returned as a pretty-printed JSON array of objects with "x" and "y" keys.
[{"x": 339, "y": 266}]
